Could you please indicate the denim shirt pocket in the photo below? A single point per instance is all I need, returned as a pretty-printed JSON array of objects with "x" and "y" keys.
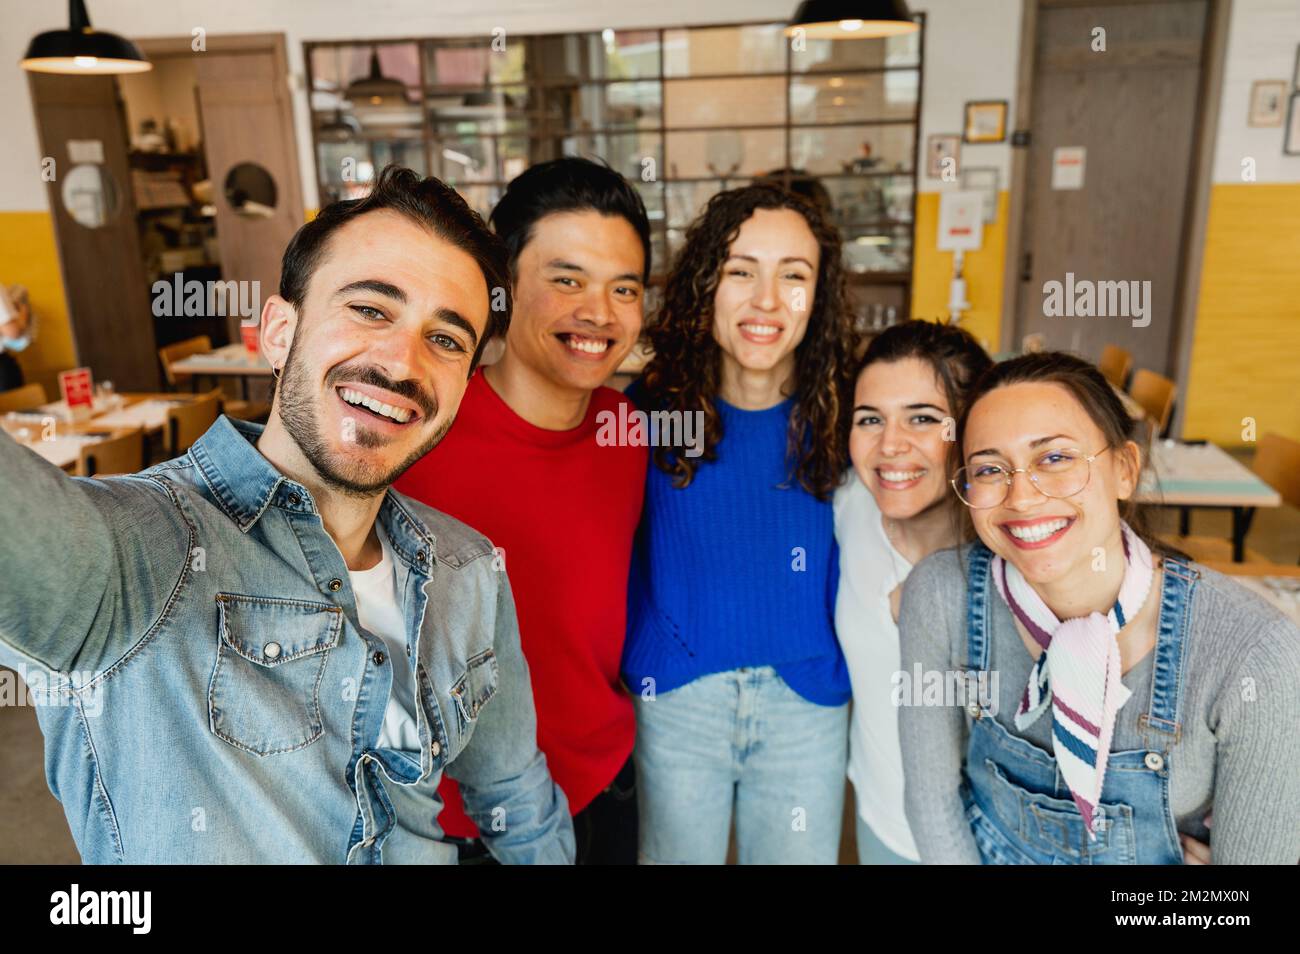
[
  {"x": 472, "y": 690},
  {"x": 265, "y": 691}
]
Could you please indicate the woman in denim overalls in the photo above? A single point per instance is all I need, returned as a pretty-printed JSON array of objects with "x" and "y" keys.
[
  {"x": 1046, "y": 469},
  {"x": 1019, "y": 809}
]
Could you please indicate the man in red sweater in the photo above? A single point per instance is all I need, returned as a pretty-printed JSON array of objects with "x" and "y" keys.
[{"x": 523, "y": 465}]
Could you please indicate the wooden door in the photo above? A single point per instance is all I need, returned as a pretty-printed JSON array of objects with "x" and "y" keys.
[
  {"x": 1132, "y": 108},
  {"x": 248, "y": 126},
  {"x": 81, "y": 126}
]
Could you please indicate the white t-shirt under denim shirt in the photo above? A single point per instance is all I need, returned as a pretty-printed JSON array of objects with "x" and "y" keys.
[
  {"x": 379, "y": 611},
  {"x": 870, "y": 569}
]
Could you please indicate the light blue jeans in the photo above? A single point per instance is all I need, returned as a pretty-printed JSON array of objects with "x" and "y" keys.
[{"x": 741, "y": 740}]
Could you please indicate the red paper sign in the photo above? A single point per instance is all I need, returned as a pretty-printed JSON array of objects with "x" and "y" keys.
[
  {"x": 76, "y": 387},
  {"x": 250, "y": 334}
]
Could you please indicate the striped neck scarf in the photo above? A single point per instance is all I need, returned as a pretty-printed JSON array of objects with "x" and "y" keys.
[{"x": 1078, "y": 673}]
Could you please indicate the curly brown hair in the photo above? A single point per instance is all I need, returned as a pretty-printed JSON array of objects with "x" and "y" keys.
[{"x": 686, "y": 370}]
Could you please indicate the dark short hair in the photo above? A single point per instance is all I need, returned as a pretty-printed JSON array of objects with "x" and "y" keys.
[
  {"x": 952, "y": 352},
  {"x": 570, "y": 184},
  {"x": 427, "y": 202}
]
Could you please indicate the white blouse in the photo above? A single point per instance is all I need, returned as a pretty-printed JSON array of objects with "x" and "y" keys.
[{"x": 870, "y": 569}]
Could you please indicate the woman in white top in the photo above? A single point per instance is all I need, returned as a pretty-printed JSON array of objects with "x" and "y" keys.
[{"x": 893, "y": 510}]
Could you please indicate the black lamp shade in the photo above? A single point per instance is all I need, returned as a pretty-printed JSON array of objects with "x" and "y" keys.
[
  {"x": 850, "y": 20},
  {"x": 81, "y": 49}
]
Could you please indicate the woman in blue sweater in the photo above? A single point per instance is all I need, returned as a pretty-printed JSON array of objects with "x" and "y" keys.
[{"x": 731, "y": 653}]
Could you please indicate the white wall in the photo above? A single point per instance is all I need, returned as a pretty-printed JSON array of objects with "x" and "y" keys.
[
  {"x": 1262, "y": 40},
  {"x": 971, "y": 50}
]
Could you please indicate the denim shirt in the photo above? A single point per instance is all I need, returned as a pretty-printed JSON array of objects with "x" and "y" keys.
[{"x": 190, "y": 638}]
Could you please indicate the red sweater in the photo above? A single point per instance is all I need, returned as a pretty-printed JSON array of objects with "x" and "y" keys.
[{"x": 564, "y": 510}]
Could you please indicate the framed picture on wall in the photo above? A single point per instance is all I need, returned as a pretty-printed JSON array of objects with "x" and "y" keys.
[
  {"x": 986, "y": 121},
  {"x": 984, "y": 180},
  {"x": 1267, "y": 100},
  {"x": 1291, "y": 145},
  {"x": 938, "y": 148}
]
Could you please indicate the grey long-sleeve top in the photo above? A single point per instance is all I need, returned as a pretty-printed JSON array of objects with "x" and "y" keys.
[{"x": 1239, "y": 752}]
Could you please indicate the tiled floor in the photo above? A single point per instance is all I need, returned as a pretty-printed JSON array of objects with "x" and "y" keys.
[{"x": 34, "y": 831}]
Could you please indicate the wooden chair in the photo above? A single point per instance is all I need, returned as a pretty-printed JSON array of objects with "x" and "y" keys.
[
  {"x": 1156, "y": 394},
  {"x": 1277, "y": 463},
  {"x": 1114, "y": 364},
  {"x": 202, "y": 344},
  {"x": 121, "y": 454},
  {"x": 186, "y": 423},
  {"x": 172, "y": 353},
  {"x": 26, "y": 398}
]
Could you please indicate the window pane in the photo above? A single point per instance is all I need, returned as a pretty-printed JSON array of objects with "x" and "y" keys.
[
  {"x": 604, "y": 106},
  {"x": 732, "y": 154},
  {"x": 626, "y": 153},
  {"x": 724, "y": 102},
  {"x": 887, "y": 249},
  {"x": 853, "y": 149},
  {"x": 854, "y": 97},
  {"x": 859, "y": 200},
  {"x": 473, "y": 62},
  {"x": 481, "y": 198},
  {"x": 733, "y": 49},
  {"x": 610, "y": 54},
  {"x": 902, "y": 50},
  {"x": 498, "y": 110},
  {"x": 687, "y": 199},
  {"x": 459, "y": 161}
]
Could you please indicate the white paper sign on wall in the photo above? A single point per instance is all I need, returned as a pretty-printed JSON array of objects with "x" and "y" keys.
[
  {"x": 1067, "y": 167},
  {"x": 961, "y": 221}
]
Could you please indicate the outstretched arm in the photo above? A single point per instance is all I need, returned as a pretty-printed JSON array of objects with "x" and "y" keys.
[{"x": 89, "y": 564}]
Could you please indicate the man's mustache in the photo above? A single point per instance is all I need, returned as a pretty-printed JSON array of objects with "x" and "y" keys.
[{"x": 368, "y": 374}]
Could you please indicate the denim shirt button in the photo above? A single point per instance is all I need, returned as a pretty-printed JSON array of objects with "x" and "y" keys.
[
  {"x": 335, "y": 585},
  {"x": 378, "y": 657},
  {"x": 1154, "y": 761},
  {"x": 974, "y": 710},
  {"x": 271, "y": 650},
  {"x": 294, "y": 500},
  {"x": 422, "y": 556},
  {"x": 435, "y": 748}
]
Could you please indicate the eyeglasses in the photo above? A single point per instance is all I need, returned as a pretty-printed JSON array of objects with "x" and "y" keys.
[{"x": 1061, "y": 472}]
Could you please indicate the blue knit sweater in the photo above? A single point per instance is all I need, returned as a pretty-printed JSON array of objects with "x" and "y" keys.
[{"x": 735, "y": 570}]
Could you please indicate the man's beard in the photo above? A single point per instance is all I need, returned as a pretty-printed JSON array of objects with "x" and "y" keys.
[{"x": 298, "y": 413}]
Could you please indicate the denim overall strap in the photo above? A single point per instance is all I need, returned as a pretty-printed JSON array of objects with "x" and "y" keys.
[
  {"x": 1159, "y": 724},
  {"x": 977, "y": 607}
]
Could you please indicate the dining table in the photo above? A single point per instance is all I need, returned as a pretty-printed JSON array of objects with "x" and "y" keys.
[
  {"x": 143, "y": 409},
  {"x": 57, "y": 441},
  {"x": 1198, "y": 474},
  {"x": 232, "y": 360}
]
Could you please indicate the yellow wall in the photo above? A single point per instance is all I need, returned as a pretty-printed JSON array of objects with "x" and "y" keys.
[
  {"x": 1246, "y": 350},
  {"x": 29, "y": 257},
  {"x": 932, "y": 272}
]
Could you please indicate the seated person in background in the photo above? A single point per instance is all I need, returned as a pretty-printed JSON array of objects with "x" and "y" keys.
[
  {"x": 525, "y": 466},
  {"x": 17, "y": 329}
]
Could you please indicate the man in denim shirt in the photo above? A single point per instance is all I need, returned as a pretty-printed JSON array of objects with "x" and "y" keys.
[{"x": 206, "y": 688}]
